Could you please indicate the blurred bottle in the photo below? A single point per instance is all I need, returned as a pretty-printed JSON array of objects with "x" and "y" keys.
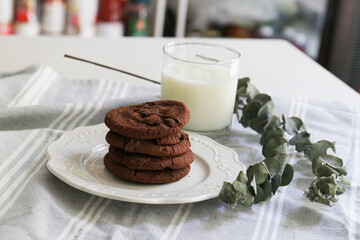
[
  {"x": 110, "y": 19},
  {"x": 6, "y": 17},
  {"x": 81, "y": 17},
  {"x": 53, "y": 17},
  {"x": 137, "y": 18},
  {"x": 26, "y": 18}
]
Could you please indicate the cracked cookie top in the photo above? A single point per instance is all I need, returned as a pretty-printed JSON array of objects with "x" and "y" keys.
[{"x": 148, "y": 120}]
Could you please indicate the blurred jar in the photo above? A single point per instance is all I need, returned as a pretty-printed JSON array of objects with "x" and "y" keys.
[
  {"x": 137, "y": 18},
  {"x": 26, "y": 18},
  {"x": 6, "y": 17},
  {"x": 110, "y": 19},
  {"x": 81, "y": 17},
  {"x": 53, "y": 17}
]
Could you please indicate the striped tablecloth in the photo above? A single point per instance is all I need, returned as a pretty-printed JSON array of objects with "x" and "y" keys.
[{"x": 37, "y": 106}]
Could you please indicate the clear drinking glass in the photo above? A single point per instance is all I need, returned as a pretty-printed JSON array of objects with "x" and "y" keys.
[{"x": 204, "y": 77}]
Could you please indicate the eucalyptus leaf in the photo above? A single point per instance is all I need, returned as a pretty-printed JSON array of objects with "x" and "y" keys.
[
  {"x": 287, "y": 176},
  {"x": 248, "y": 199},
  {"x": 293, "y": 125},
  {"x": 331, "y": 160},
  {"x": 266, "y": 110},
  {"x": 273, "y": 166},
  {"x": 241, "y": 177},
  {"x": 259, "y": 195},
  {"x": 259, "y": 172},
  {"x": 327, "y": 186},
  {"x": 229, "y": 194},
  {"x": 246, "y": 89},
  {"x": 249, "y": 112},
  {"x": 275, "y": 183},
  {"x": 266, "y": 187},
  {"x": 272, "y": 133},
  {"x": 276, "y": 164},
  {"x": 262, "y": 98},
  {"x": 274, "y": 122},
  {"x": 300, "y": 140},
  {"x": 317, "y": 149},
  {"x": 340, "y": 190},
  {"x": 242, "y": 87},
  {"x": 327, "y": 164},
  {"x": 341, "y": 171},
  {"x": 258, "y": 124},
  {"x": 243, "y": 82},
  {"x": 275, "y": 146},
  {"x": 253, "y": 91}
]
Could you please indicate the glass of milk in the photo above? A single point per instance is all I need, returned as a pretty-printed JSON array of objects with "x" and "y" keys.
[{"x": 204, "y": 77}]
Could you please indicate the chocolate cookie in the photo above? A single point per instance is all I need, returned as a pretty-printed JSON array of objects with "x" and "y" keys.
[
  {"x": 146, "y": 162},
  {"x": 145, "y": 176},
  {"x": 149, "y": 147},
  {"x": 148, "y": 120},
  {"x": 171, "y": 139}
]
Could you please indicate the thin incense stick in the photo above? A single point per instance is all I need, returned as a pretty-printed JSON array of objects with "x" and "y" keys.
[{"x": 111, "y": 68}]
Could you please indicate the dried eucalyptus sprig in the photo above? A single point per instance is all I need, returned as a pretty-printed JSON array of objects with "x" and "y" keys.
[{"x": 256, "y": 110}]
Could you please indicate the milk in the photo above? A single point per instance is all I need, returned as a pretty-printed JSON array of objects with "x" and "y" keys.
[{"x": 207, "y": 90}]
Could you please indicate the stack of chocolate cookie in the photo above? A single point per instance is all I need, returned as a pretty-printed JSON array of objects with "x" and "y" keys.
[{"x": 146, "y": 142}]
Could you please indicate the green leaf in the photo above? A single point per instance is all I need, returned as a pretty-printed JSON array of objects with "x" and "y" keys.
[
  {"x": 275, "y": 146},
  {"x": 331, "y": 160},
  {"x": 327, "y": 164},
  {"x": 266, "y": 110},
  {"x": 293, "y": 125},
  {"x": 250, "y": 111},
  {"x": 327, "y": 186},
  {"x": 273, "y": 166},
  {"x": 248, "y": 199},
  {"x": 275, "y": 183},
  {"x": 325, "y": 171},
  {"x": 262, "y": 98},
  {"x": 274, "y": 122},
  {"x": 300, "y": 140},
  {"x": 324, "y": 190},
  {"x": 340, "y": 190},
  {"x": 276, "y": 164},
  {"x": 272, "y": 133},
  {"x": 246, "y": 89},
  {"x": 229, "y": 194},
  {"x": 258, "y": 124},
  {"x": 287, "y": 176},
  {"x": 317, "y": 149},
  {"x": 241, "y": 177},
  {"x": 242, "y": 87},
  {"x": 266, "y": 187},
  {"x": 237, "y": 191},
  {"x": 259, "y": 172},
  {"x": 258, "y": 197}
]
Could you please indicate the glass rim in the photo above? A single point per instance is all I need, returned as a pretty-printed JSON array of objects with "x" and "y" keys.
[{"x": 236, "y": 58}]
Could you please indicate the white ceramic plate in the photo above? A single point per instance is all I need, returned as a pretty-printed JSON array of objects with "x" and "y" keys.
[{"x": 77, "y": 159}]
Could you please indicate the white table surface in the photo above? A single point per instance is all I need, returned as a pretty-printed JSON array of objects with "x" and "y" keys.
[{"x": 274, "y": 66}]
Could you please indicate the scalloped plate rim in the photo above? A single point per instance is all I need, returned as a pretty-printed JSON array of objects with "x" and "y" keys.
[{"x": 50, "y": 151}]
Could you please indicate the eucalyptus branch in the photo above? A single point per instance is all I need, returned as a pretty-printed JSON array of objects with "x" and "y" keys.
[{"x": 256, "y": 110}]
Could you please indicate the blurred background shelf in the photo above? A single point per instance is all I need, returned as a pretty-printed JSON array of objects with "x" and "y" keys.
[{"x": 328, "y": 31}]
